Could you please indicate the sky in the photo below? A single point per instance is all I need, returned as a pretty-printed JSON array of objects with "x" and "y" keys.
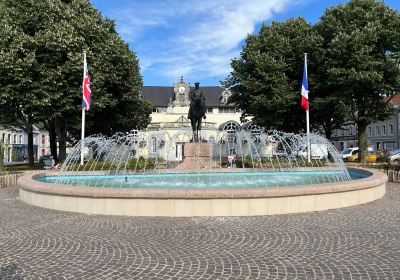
[{"x": 197, "y": 39}]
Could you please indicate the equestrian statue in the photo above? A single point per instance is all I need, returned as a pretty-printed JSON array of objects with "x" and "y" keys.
[{"x": 197, "y": 110}]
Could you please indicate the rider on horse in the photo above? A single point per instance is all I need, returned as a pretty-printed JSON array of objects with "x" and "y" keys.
[{"x": 197, "y": 108}]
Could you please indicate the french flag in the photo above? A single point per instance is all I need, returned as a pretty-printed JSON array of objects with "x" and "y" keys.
[
  {"x": 86, "y": 88},
  {"x": 304, "y": 88}
]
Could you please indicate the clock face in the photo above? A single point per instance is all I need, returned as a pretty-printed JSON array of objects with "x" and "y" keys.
[{"x": 181, "y": 90}]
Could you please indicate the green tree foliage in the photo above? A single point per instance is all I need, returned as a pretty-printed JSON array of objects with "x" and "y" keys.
[
  {"x": 41, "y": 62},
  {"x": 353, "y": 69},
  {"x": 21, "y": 97},
  {"x": 266, "y": 79},
  {"x": 361, "y": 59}
]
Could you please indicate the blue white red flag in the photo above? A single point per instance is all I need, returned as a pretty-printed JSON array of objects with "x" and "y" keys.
[
  {"x": 304, "y": 88},
  {"x": 86, "y": 89}
]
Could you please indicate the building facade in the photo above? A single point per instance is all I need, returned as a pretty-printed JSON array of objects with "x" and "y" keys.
[
  {"x": 170, "y": 119},
  {"x": 382, "y": 135},
  {"x": 346, "y": 137},
  {"x": 15, "y": 142}
]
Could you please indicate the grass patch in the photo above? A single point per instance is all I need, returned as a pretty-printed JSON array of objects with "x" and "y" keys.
[{"x": 22, "y": 167}]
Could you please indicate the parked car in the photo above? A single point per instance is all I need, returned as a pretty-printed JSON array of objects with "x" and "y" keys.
[
  {"x": 351, "y": 154},
  {"x": 394, "y": 156}
]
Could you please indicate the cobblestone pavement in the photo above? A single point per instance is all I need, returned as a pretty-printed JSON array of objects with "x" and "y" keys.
[{"x": 361, "y": 242}]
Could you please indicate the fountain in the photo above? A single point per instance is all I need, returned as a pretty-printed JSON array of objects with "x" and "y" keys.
[
  {"x": 232, "y": 173},
  {"x": 139, "y": 160}
]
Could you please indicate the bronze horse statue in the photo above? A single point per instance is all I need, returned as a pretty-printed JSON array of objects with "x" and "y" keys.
[{"x": 197, "y": 110}]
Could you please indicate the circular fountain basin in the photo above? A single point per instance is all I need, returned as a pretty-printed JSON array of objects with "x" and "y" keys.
[
  {"x": 208, "y": 180},
  {"x": 215, "y": 194}
]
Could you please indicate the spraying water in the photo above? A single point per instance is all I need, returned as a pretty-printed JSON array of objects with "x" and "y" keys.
[{"x": 230, "y": 159}]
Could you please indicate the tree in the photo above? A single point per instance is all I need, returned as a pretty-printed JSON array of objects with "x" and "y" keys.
[
  {"x": 120, "y": 80},
  {"x": 21, "y": 97},
  {"x": 328, "y": 110},
  {"x": 266, "y": 79},
  {"x": 361, "y": 60},
  {"x": 51, "y": 36}
]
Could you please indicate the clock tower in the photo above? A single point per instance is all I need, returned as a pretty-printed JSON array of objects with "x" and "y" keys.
[{"x": 181, "y": 91}]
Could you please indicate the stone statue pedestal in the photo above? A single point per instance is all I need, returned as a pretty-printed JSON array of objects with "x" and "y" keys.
[
  {"x": 201, "y": 150},
  {"x": 197, "y": 155}
]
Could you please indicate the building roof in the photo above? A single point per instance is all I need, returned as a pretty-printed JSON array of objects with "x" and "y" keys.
[
  {"x": 160, "y": 96},
  {"x": 36, "y": 129},
  {"x": 395, "y": 100}
]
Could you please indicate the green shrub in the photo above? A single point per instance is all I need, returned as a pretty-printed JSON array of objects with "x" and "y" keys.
[
  {"x": 249, "y": 162},
  {"x": 160, "y": 159},
  {"x": 140, "y": 163},
  {"x": 89, "y": 166}
]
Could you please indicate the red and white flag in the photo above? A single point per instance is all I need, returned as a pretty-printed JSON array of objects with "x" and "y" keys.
[{"x": 87, "y": 92}]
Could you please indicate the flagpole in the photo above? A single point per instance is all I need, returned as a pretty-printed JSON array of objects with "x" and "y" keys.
[
  {"x": 307, "y": 118},
  {"x": 83, "y": 110}
]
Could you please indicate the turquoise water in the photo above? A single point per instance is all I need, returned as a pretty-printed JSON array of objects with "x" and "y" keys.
[{"x": 205, "y": 180}]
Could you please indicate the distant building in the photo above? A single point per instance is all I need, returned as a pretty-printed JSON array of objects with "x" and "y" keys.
[
  {"x": 346, "y": 137},
  {"x": 382, "y": 135},
  {"x": 15, "y": 142}
]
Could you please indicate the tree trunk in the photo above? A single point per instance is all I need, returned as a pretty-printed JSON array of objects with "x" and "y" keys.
[
  {"x": 328, "y": 133},
  {"x": 29, "y": 130},
  {"x": 53, "y": 140},
  {"x": 326, "y": 125},
  {"x": 362, "y": 141},
  {"x": 61, "y": 130}
]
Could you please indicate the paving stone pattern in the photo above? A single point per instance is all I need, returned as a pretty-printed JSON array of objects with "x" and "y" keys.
[{"x": 360, "y": 242}]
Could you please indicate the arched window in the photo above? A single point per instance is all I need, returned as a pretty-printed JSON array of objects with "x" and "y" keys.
[
  {"x": 231, "y": 128},
  {"x": 255, "y": 133}
]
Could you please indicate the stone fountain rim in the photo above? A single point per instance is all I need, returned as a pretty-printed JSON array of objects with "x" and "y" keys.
[{"x": 28, "y": 183}]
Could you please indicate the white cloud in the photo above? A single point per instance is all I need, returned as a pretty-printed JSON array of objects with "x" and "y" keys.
[
  {"x": 226, "y": 26},
  {"x": 196, "y": 39}
]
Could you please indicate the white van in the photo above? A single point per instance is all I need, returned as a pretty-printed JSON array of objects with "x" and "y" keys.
[{"x": 318, "y": 151}]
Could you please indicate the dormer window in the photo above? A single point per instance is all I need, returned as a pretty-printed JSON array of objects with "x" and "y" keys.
[{"x": 225, "y": 97}]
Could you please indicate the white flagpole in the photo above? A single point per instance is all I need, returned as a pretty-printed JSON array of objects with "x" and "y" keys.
[
  {"x": 83, "y": 109},
  {"x": 307, "y": 117}
]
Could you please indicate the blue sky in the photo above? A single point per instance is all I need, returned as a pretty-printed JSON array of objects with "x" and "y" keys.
[{"x": 198, "y": 39}]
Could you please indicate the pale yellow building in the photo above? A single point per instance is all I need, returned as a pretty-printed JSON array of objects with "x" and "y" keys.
[{"x": 170, "y": 127}]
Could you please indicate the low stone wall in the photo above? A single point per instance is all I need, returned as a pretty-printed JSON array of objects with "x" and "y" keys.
[
  {"x": 202, "y": 202},
  {"x": 9, "y": 179},
  {"x": 393, "y": 175}
]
